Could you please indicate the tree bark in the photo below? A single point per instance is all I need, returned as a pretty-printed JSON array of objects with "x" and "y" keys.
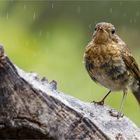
[{"x": 33, "y": 108}]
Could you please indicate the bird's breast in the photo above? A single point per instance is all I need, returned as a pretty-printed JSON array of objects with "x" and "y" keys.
[{"x": 105, "y": 65}]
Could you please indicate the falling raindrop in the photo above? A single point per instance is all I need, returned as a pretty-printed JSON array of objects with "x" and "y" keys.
[
  {"x": 121, "y": 3},
  {"x": 52, "y": 5},
  {"x": 90, "y": 26},
  {"x": 137, "y": 13},
  {"x": 130, "y": 20},
  {"x": 40, "y": 33},
  {"x": 24, "y": 7},
  {"x": 79, "y": 9},
  {"x": 124, "y": 14},
  {"x": 110, "y": 10},
  {"x": 34, "y": 16}
]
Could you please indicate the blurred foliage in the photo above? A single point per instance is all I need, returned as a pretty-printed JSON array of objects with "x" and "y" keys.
[{"x": 49, "y": 37}]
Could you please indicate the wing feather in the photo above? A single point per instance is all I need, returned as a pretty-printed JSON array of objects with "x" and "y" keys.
[{"x": 130, "y": 62}]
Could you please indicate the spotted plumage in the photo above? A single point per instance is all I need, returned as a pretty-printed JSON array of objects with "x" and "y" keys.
[{"x": 110, "y": 63}]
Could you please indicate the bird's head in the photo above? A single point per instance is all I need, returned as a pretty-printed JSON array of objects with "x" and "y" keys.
[{"x": 103, "y": 32}]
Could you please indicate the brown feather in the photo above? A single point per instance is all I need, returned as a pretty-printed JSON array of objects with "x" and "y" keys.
[{"x": 133, "y": 68}]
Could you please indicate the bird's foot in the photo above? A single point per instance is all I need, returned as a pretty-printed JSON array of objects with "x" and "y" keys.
[
  {"x": 116, "y": 114},
  {"x": 98, "y": 103}
]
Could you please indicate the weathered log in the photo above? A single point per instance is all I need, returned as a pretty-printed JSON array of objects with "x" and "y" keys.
[{"x": 33, "y": 108}]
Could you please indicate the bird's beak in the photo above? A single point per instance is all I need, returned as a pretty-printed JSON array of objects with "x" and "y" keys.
[{"x": 100, "y": 29}]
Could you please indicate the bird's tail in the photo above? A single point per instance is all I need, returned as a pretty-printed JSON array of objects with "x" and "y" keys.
[{"x": 136, "y": 90}]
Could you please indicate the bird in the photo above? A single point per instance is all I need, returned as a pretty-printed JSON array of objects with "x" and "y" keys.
[{"x": 110, "y": 63}]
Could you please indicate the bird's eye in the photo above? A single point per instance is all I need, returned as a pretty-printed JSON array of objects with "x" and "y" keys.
[
  {"x": 113, "y": 31},
  {"x": 95, "y": 28}
]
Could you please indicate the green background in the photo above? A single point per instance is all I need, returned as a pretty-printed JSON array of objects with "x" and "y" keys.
[{"x": 49, "y": 37}]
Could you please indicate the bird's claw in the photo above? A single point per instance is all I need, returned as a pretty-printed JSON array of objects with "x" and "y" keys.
[
  {"x": 98, "y": 103},
  {"x": 116, "y": 114}
]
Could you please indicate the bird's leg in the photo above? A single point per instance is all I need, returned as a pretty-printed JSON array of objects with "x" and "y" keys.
[
  {"x": 119, "y": 114},
  {"x": 102, "y": 101}
]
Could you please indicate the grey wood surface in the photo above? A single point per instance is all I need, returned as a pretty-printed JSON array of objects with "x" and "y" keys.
[{"x": 33, "y": 108}]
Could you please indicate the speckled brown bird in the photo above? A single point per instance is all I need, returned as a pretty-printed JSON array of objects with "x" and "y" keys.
[{"x": 110, "y": 63}]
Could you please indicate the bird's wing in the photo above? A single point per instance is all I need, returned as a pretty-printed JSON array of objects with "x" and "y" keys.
[
  {"x": 89, "y": 68},
  {"x": 130, "y": 62}
]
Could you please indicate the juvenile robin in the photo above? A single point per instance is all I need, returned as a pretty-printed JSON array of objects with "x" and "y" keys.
[{"x": 109, "y": 62}]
